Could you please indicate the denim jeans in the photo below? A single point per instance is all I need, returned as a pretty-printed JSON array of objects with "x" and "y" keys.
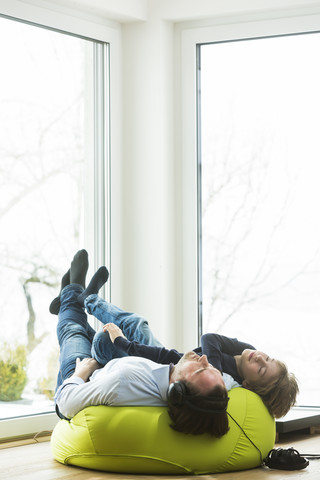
[
  {"x": 74, "y": 333},
  {"x": 134, "y": 327},
  {"x": 77, "y": 339}
]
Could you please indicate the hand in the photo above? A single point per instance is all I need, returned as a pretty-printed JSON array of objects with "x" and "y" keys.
[
  {"x": 85, "y": 368},
  {"x": 114, "y": 331}
]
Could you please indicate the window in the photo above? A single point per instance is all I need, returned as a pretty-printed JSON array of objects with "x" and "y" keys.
[
  {"x": 54, "y": 152},
  {"x": 260, "y": 230}
]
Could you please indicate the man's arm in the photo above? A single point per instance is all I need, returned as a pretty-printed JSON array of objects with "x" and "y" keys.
[
  {"x": 121, "y": 382},
  {"x": 85, "y": 368},
  {"x": 156, "y": 354},
  {"x": 75, "y": 394}
]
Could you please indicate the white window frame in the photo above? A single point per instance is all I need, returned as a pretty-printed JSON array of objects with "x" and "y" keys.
[
  {"x": 188, "y": 38},
  {"x": 99, "y": 180}
]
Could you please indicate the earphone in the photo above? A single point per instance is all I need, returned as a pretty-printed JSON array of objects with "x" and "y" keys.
[{"x": 178, "y": 395}]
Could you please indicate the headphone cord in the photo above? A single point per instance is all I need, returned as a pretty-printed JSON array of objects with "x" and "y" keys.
[
  {"x": 255, "y": 446},
  {"x": 310, "y": 456}
]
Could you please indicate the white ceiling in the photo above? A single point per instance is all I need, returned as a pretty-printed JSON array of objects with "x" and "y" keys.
[{"x": 177, "y": 10}]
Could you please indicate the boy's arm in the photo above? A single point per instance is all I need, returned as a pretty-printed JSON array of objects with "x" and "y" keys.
[
  {"x": 220, "y": 351},
  {"x": 233, "y": 346},
  {"x": 230, "y": 346},
  {"x": 212, "y": 347},
  {"x": 156, "y": 354}
]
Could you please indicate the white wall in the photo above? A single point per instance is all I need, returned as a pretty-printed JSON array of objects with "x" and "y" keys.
[
  {"x": 149, "y": 172},
  {"x": 150, "y": 224}
]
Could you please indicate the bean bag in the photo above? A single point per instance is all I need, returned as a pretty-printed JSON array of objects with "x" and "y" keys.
[{"x": 139, "y": 440}]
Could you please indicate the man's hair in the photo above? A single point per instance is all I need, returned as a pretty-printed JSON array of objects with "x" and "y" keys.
[
  {"x": 280, "y": 395},
  {"x": 188, "y": 420}
]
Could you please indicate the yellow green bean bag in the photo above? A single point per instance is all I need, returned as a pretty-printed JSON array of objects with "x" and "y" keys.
[{"x": 139, "y": 440}]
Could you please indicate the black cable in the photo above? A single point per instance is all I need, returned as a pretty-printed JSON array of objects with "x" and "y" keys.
[
  {"x": 311, "y": 456},
  {"x": 255, "y": 446}
]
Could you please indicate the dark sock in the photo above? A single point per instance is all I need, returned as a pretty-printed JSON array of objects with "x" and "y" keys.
[
  {"x": 98, "y": 279},
  {"x": 55, "y": 304},
  {"x": 79, "y": 268}
]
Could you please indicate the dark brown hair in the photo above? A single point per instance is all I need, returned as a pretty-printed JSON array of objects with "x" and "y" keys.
[
  {"x": 188, "y": 420},
  {"x": 280, "y": 395}
]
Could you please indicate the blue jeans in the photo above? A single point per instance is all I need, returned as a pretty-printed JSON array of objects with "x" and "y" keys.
[
  {"x": 74, "y": 333},
  {"x": 78, "y": 339},
  {"x": 134, "y": 327}
]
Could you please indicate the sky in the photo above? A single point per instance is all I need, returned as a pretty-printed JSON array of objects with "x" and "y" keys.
[
  {"x": 41, "y": 174},
  {"x": 260, "y": 186}
]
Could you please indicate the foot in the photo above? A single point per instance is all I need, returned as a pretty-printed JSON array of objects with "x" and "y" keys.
[
  {"x": 79, "y": 268},
  {"x": 98, "y": 279},
  {"x": 55, "y": 304}
]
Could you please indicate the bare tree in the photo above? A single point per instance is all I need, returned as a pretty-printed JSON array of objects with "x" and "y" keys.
[
  {"x": 43, "y": 275},
  {"x": 32, "y": 162},
  {"x": 234, "y": 199}
]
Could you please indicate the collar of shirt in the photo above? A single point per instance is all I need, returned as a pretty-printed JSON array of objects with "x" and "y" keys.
[{"x": 229, "y": 381}]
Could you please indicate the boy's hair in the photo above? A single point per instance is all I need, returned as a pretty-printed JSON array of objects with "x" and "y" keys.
[
  {"x": 280, "y": 395},
  {"x": 188, "y": 420}
]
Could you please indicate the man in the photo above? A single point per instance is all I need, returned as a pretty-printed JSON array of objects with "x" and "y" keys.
[{"x": 199, "y": 408}]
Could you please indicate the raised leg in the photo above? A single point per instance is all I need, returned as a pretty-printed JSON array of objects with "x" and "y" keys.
[{"x": 134, "y": 327}]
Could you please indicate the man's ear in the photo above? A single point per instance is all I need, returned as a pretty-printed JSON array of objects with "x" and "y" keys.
[{"x": 246, "y": 385}]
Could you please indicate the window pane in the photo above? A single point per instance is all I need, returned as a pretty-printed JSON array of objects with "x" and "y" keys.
[
  {"x": 260, "y": 190},
  {"x": 46, "y": 95}
]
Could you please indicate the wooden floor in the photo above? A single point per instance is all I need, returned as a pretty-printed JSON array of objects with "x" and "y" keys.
[{"x": 34, "y": 462}]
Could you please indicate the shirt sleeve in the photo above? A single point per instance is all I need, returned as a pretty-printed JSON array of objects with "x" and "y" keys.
[
  {"x": 214, "y": 345},
  {"x": 156, "y": 354},
  {"x": 221, "y": 350},
  {"x": 121, "y": 382},
  {"x": 75, "y": 395}
]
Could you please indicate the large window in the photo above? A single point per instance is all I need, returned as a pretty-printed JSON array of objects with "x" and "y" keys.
[
  {"x": 260, "y": 151},
  {"x": 53, "y": 177}
]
